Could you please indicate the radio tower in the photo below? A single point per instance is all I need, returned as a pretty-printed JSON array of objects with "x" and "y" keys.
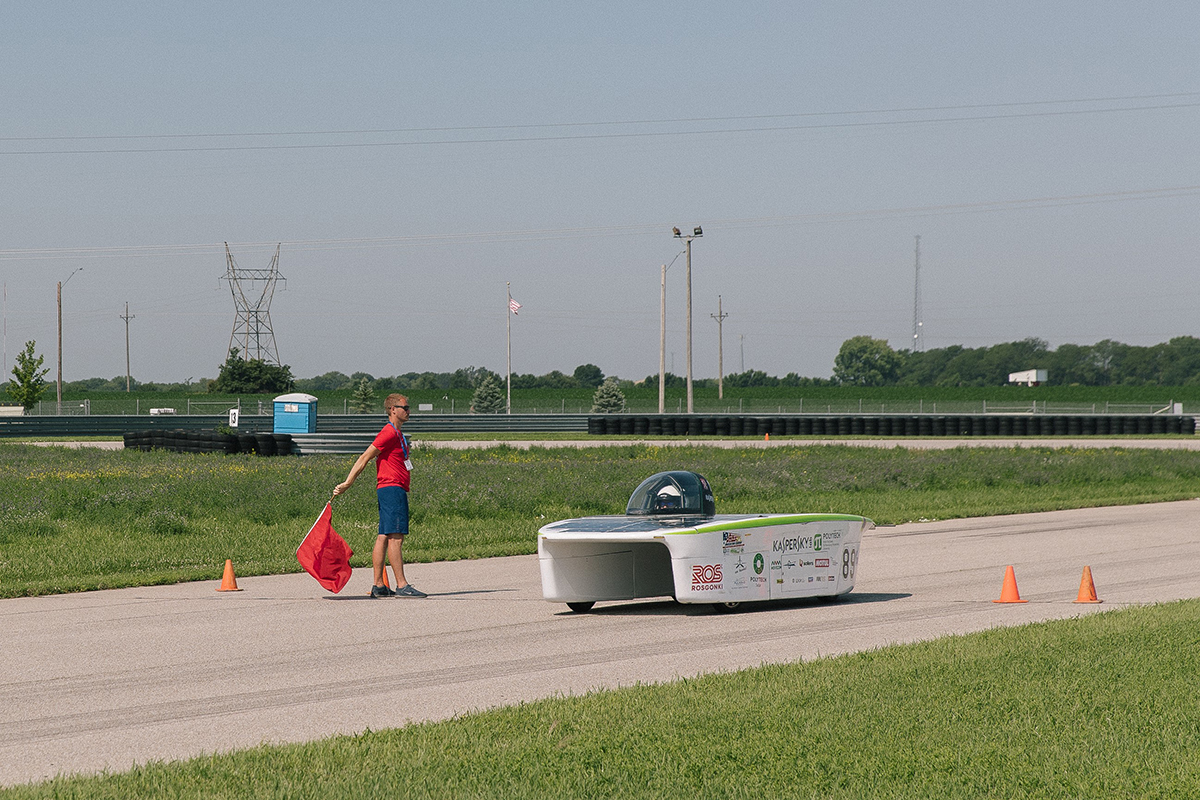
[
  {"x": 917, "y": 343},
  {"x": 252, "y": 333}
]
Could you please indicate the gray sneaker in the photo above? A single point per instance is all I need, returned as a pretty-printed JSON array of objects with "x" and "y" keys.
[
  {"x": 408, "y": 590},
  {"x": 382, "y": 591}
]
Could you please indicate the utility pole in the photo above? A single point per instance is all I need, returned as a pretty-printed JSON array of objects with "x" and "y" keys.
[
  {"x": 720, "y": 318},
  {"x": 742, "y": 342},
  {"x": 696, "y": 234},
  {"x": 917, "y": 323},
  {"x": 127, "y": 317}
]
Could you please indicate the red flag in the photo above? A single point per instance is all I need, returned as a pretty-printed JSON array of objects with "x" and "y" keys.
[{"x": 324, "y": 554}]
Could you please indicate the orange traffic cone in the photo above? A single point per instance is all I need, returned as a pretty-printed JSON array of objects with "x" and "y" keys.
[
  {"x": 1087, "y": 589},
  {"x": 1009, "y": 593},
  {"x": 766, "y": 437},
  {"x": 228, "y": 582}
]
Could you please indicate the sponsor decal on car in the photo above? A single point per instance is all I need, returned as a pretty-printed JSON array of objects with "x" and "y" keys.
[
  {"x": 796, "y": 544},
  {"x": 822, "y": 563},
  {"x": 706, "y": 577},
  {"x": 758, "y": 563}
]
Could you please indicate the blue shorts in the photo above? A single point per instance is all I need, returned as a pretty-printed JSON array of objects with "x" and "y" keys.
[{"x": 393, "y": 510}]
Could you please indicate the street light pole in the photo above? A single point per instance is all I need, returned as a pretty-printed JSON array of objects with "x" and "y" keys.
[{"x": 696, "y": 234}]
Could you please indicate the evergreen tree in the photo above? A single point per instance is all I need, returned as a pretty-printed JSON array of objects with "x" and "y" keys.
[
  {"x": 363, "y": 398},
  {"x": 30, "y": 383},
  {"x": 488, "y": 398},
  {"x": 608, "y": 399}
]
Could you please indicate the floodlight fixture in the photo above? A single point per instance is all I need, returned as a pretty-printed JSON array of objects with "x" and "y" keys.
[{"x": 696, "y": 233}]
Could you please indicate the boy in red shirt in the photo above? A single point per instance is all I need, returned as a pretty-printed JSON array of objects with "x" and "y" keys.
[{"x": 393, "y": 470}]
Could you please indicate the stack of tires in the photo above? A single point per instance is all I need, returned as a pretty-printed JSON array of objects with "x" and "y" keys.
[
  {"x": 183, "y": 441},
  {"x": 981, "y": 425}
]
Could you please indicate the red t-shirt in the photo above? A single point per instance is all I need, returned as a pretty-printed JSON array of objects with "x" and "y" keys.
[{"x": 389, "y": 463}]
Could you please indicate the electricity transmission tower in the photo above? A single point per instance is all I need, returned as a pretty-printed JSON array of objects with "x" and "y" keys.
[
  {"x": 917, "y": 323},
  {"x": 252, "y": 291}
]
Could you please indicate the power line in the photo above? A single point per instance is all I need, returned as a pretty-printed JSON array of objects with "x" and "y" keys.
[
  {"x": 640, "y": 229},
  {"x": 602, "y": 123},
  {"x": 584, "y": 136}
]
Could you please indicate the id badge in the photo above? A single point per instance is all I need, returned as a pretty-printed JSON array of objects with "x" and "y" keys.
[{"x": 408, "y": 464}]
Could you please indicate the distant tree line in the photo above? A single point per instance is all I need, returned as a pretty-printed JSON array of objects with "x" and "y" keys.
[
  {"x": 585, "y": 376},
  {"x": 863, "y": 361}
]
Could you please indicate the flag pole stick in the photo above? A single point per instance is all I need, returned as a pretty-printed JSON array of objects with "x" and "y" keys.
[{"x": 508, "y": 322}]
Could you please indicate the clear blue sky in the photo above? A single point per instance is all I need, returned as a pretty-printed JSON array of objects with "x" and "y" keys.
[{"x": 413, "y": 158}]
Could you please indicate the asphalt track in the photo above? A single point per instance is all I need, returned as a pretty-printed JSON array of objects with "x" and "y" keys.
[{"x": 106, "y": 680}]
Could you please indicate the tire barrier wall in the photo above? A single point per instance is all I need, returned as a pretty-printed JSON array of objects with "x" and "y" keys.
[
  {"x": 185, "y": 441},
  {"x": 116, "y": 424},
  {"x": 1004, "y": 425}
]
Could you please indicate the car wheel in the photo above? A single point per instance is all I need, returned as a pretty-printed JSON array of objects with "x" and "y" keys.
[
  {"x": 580, "y": 608},
  {"x": 726, "y": 608}
]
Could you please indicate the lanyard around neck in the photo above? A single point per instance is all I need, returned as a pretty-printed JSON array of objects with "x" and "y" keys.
[{"x": 403, "y": 441}]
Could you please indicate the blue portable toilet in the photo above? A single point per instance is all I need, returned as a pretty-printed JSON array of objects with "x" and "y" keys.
[{"x": 295, "y": 413}]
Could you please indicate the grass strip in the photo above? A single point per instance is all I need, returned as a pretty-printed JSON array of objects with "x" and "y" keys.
[
  {"x": 1099, "y": 706},
  {"x": 74, "y": 520}
]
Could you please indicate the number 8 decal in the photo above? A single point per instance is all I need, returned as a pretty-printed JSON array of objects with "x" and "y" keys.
[{"x": 849, "y": 561}]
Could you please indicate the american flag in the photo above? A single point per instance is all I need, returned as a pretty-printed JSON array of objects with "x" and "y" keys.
[{"x": 513, "y": 305}]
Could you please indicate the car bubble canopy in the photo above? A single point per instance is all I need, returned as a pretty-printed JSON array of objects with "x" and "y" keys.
[{"x": 672, "y": 493}]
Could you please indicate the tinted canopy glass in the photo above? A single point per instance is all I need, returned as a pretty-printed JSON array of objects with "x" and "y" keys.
[{"x": 672, "y": 493}]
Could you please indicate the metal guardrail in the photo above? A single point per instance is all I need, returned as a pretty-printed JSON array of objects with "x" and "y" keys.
[
  {"x": 118, "y": 424},
  {"x": 113, "y": 404},
  {"x": 363, "y": 425}
]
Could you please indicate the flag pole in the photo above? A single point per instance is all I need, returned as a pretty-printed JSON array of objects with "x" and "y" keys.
[{"x": 508, "y": 322}]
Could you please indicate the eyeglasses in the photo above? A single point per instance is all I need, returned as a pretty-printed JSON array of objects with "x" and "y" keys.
[{"x": 395, "y": 407}]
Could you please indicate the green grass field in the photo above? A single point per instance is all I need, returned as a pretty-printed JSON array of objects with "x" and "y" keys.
[
  {"x": 73, "y": 520},
  {"x": 1097, "y": 707},
  {"x": 1100, "y": 706}
]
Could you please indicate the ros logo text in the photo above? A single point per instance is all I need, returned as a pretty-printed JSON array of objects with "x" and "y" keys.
[{"x": 706, "y": 576}]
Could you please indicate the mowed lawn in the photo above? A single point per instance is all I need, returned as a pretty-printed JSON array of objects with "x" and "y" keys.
[{"x": 74, "y": 520}]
